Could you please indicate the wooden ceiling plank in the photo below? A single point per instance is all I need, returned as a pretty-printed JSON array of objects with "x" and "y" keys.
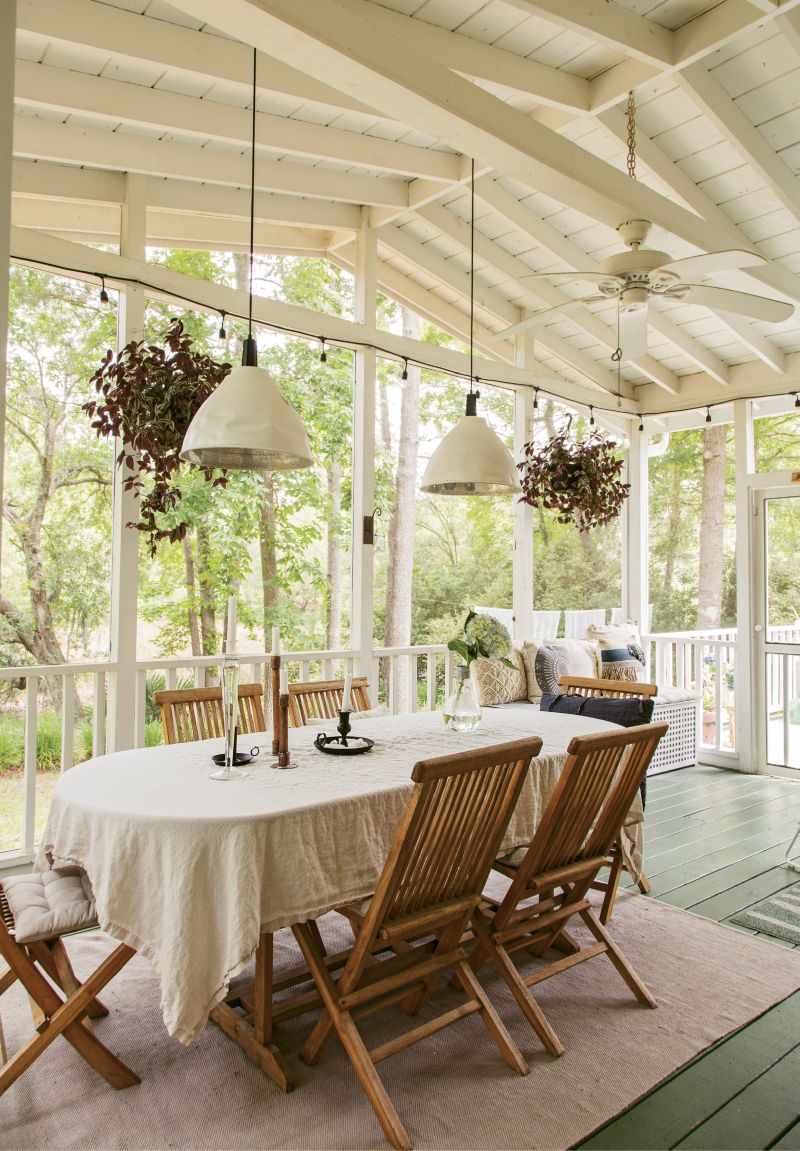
[
  {"x": 40, "y": 86},
  {"x": 607, "y": 23},
  {"x": 712, "y": 99}
]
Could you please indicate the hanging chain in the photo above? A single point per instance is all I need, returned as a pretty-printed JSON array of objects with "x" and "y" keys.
[{"x": 631, "y": 111}]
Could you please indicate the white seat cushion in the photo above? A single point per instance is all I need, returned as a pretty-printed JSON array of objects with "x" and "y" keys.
[
  {"x": 51, "y": 904},
  {"x": 674, "y": 695}
]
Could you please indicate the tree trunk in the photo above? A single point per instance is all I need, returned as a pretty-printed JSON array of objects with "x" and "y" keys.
[
  {"x": 191, "y": 587},
  {"x": 269, "y": 558},
  {"x": 208, "y": 622},
  {"x": 712, "y": 522},
  {"x": 400, "y": 564},
  {"x": 334, "y": 556}
]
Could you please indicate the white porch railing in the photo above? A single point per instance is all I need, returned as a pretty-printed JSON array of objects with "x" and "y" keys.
[
  {"x": 703, "y": 662},
  {"x": 404, "y": 678}
]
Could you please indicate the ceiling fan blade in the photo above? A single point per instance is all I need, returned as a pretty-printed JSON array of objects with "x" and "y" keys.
[
  {"x": 744, "y": 304},
  {"x": 540, "y": 317},
  {"x": 711, "y": 262},
  {"x": 633, "y": 334}
]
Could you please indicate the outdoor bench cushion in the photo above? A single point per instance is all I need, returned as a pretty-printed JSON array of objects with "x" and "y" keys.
[
  {"x": 50, "y": 904},
  {"x": 626, "y": 712}
]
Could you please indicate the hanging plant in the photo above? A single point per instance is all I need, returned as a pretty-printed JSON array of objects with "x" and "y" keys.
[
  {"x": 580, "y": 481},
  {"x": 147, "y": 396}
]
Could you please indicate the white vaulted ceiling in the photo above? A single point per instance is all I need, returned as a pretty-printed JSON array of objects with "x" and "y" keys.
[{"x": 380, "y": 107}]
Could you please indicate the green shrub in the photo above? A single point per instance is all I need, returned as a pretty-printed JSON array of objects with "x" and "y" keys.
[
  {"x": 153, "y": 733},
  {"x": 12, "y": 743}
]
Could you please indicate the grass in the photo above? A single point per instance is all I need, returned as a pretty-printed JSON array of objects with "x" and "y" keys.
[{"x": 11, "y": 805}]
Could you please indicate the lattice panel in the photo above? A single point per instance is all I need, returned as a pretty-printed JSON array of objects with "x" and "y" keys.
[{"x": 678, "y": 748}]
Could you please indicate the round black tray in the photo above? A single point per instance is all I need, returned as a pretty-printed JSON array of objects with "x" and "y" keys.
[
  {"x": 239, "y": 760},
  {"x": 332, "y": 744}
]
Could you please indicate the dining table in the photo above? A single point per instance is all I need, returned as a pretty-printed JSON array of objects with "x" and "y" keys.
[{"x": 196, "y": 874}]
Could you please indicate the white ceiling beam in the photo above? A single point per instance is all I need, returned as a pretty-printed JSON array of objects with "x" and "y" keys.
[
  {"x": 164, "y": 229},
  {"x": 43, "y": 250},
  {"x": 703, "y": 357},
  {"x": 693, "y": 41},
  {"x": 424, "y": 257},
  {"x": 519, "y": 273},
  {"x": 59, "y": 89},
  {"x": 767, "y": 352},
  {"x": 126, "y": 152},
  {"x": 44, "y": 180},
  {"x": 713, "y": 101},
  {"x": 607, "y": 23},
  {"x": 199, "y": 55},
  {"x": 747, "y": 381},
  {"x": 344, "y": 48},
  {"x": 789, "y": 25},
  {"x": 470, "y": 57}
]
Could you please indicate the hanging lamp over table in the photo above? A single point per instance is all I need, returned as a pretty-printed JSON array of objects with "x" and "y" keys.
[
  {"x": 246, "y": 423},
  {"x": 471, "y": 460}
]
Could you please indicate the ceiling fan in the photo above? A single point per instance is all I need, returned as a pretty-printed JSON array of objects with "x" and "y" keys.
[
  {"x": 640, "y": 275},
  {"x": 635, "y": 277}
]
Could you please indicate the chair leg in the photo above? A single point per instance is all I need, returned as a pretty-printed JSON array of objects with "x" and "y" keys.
[
  {"x": 524, "y": 997},
  {"x": 69, "y": 981},
  {"x": 618, "y": 959},
  {"x": 312, "y": 1048},
  {"x": 65, "y": 1018},
  {"x": 508, "y": 1048},
  {"x": 612, "y": 884}
]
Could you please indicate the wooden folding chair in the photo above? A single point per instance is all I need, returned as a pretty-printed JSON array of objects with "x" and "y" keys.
[
  {"x": 322, "y": 699},
  {"x": 431, "y": 883},
  {"x": 37, "y": 911},
  {"x": 578, "y": 829},
  {"x": 196, "y": 712},
  {"x": 619, "y": 860}
]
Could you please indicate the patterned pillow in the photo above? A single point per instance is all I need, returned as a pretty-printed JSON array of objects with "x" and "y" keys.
[
  {"x": 620, "y": 651},
  {"x": 495, "y": 683},
  {"x": 545, "y": 662}
]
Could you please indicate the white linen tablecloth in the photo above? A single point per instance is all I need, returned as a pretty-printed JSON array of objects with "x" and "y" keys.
[{"x": 189, "y": 871}]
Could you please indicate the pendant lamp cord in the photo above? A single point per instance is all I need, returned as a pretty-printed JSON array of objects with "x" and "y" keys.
[
  {"x": 471, "y": 275},
  {"x": 252, "y": 202}
]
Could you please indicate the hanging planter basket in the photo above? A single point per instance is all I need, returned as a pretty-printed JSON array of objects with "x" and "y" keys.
[{"x": 578, "y": 480}]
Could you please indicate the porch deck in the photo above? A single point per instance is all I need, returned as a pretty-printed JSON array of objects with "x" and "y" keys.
[{"x": 715, "y": 842}]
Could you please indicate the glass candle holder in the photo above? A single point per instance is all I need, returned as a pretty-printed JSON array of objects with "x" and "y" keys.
[{"x": 230, "y": 709}]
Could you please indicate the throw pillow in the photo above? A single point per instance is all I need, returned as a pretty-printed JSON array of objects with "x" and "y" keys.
[
  {"x": 625, "y": 712},
  {"x": 620, "y": 651},
  {"x": 545, "y": 662},
  {"x": 495, "y": 683}
]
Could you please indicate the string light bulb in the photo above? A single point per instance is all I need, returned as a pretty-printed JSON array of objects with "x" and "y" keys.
[
  {"x": 103, "y": 292},
  {"x": 323, "y": 356},
  {"x": 797, "y": 399},
  {"x": 708, "y": 414},
  {"x": 536, "y": 399},
  {"x": 591, "y": 416},
  {"x": 222, "y": 334},
  {"x": 404, "y": 373},
  {"x": 641, "y": 422}
]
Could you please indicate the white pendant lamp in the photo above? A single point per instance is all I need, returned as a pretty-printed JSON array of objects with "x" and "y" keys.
[
  {"x": 471, "y": 460},
  {"x": 246, "y": 422}
]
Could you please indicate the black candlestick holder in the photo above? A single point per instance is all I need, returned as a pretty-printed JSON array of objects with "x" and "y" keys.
[{"x": 340, "y": 744}]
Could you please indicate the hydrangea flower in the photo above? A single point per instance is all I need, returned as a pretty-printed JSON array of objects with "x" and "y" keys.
[{"x": 483, "y": 636}]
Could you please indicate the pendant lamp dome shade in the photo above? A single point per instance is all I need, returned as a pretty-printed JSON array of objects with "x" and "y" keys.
[
  {"x": 471, "y": 460},
  {"x": 247, "y": 423}
]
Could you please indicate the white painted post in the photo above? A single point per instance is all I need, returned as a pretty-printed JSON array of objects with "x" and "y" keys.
[
  {"x": 749, "y": 704},
  {"x": 67, "y": 722},
  {"x": 523, "y": 575},
  {"x": 29, "y": 777},
  {"x": 8, "y": 27},
  {"x": 125, "y": 545},
  {"x": 636, "y": 593},
  {"x": 362, "y": 574}
]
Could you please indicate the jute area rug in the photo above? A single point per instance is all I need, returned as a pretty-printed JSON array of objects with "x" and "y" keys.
[
  {"x": 452, "y": 1091},
  {"x": 779, "y": 915}
]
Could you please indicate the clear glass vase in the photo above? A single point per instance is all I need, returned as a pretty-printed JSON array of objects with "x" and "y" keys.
[
  {"x": 462, "y": 712},
  {"x": 230, "y": 709}
]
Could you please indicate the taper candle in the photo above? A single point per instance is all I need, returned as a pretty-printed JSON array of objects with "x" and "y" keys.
[
  {"x": 230, "y": 635},
  {"x": 348, "y": 686}
]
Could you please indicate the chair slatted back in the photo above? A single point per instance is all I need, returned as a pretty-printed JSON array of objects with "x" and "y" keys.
[
  {"x": 451, "y": 831},
  {"x": 322, "y": 699},
  {"x": 612, "y": 688},
  {"x": 196, "y": 713},
  {"x": 593, "y": 795}
]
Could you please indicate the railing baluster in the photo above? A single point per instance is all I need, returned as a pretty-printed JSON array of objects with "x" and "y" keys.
[
  {"x": 717, "y": 653},
  {"x": 99, "y": 714},
  {"x": 172, "y": 678},
  {"x": 29, "y": 778},
  {"x": 431, "y": 677},
  {"x": 413, "y": 678},
  {"x": 391, "y": 690},
  {"x": 67, "y": 722},
  {"x": 786, "y": 704}
]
